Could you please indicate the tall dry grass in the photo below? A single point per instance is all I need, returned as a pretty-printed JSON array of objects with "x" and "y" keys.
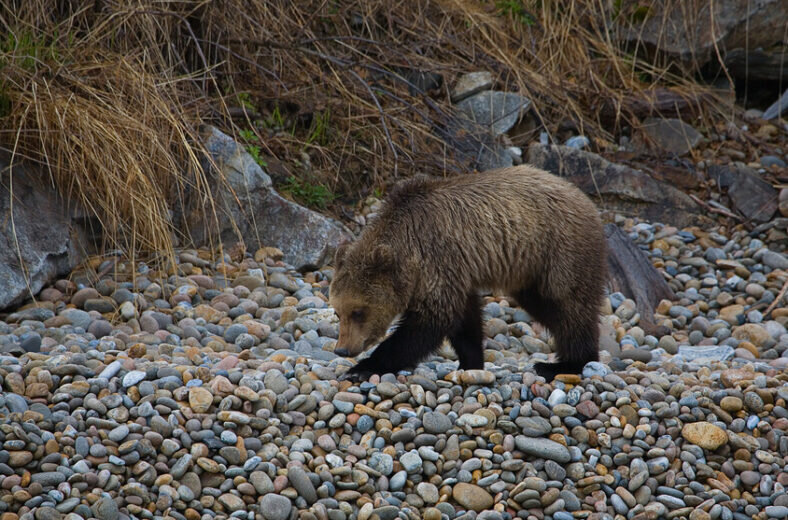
[{"x": 109, "y": 95}]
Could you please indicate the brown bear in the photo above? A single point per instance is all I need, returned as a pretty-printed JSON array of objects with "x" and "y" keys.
[{"x": 437, "y": 242}]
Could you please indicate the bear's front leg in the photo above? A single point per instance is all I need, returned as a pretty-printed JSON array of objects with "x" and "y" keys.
[{"x": 414, "y": 339}]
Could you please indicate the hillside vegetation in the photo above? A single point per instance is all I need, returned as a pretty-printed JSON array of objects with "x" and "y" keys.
[{"x": 336, "y": 99}]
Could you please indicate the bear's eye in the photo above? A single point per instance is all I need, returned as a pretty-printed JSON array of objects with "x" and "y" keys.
[{"x": 357, "y": 315}]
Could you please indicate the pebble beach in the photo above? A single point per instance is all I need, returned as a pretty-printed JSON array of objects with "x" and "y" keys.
[{"x": 210, "y": 390}]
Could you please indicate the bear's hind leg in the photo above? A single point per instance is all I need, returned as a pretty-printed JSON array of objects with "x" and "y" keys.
[
  {"x": 467, "y": 335},
  {"x": 413, "y": 340},
  {"x": 574, "y": 327}
]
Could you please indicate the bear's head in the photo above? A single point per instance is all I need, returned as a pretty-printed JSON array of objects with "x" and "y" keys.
[{"x": 366, "y": 293}]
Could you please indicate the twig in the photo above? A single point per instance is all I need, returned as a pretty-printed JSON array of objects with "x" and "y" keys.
[
  {"x": 776, "y": 301},
  {"x": 712, "y": 209}
]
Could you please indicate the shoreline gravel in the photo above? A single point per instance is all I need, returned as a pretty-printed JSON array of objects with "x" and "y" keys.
[{"x": 214, "y": 395}]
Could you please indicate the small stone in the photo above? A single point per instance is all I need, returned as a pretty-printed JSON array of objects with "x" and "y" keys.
[
  {"x": 668, "y": 344},
  {"x": 299, "y": 479},
  {"x": 428, "y": 492},
  {"x": 752, "y": 332},
  {"x": 411, "y": 461},
  {"x": 133, "y": 377},
  {"x": 276, "y": 381},
  {"x": 496, "y": 110},
  {"x": 200, "y": 399},
  {"x": 778, "y": 512},
  {"x": 382, "y": 462},
  {"x": 671, "y": 135},
  {"x": 477, "y": 377},
  {"x": 588, "y": 408},
  {"x": 543, "y": 448},
  {"x": 731, "y": 404},
  {"x": 231, "y": 502},
  {"x": 775, "y": 260},
  {"x": 105, "y": 509},
  {"x": 750, "y": 478},
  {"x": 472, "y": 497},
  {"x": 470, "y": 84},
  {"x": 435, "y": 422},
  {"x": 704, "y": 434},
  {"x": 594, "y": 368}
]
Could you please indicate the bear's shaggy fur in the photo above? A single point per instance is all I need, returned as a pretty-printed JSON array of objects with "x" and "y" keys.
[{"x": 436, "y": 243}]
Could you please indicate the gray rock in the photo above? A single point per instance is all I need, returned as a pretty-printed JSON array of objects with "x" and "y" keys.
[
  {"x": 435, "y": 422},
  {"x": 687, "y": 35},
  {"x": 774, "y": 260},
  {"x": 398, "y": 481},
  {"x": 251, "y": 210},
  {"x": 100, "y": 328},
  {"x": 495, "y": 110},
  {"x": 671, "y": 135},
  {"x": 48, "y": 478},
  {"x": 533, "y": 426},
  {"x": 768, "y": 161},
  {"x": 105, "y": 508},
  {"x": 262, "y": 482},
  {"x": 300, "y": 481},
  {"x": 543, "y": 448},
  {"x": 47, "y": 513},
  {"x": 755, "y": 198},
  {"x": 705, "y": 353},
  {"x": 554, "y": 470},
  {"x": 470, "y": 84},
  {"x": 411, "y": 461},
  {"x": 16, "y": 403},
  {"x": 620, "y": 188},
  {"x": 276, "y": 381},
  {"x": 77, "y": 317},
  {"x": 181, "y": 466},
  {"x": 275, "y": 507},
  {"x": 382, "y": 463},
  {"x": 119, "y": 433},
  {"x": 475, "y": 145},
  {"x": 386, "y": 512},
  {"x": 40, "y": 246},
  {"x": 133, "y": 377},
  {"x": 776, "y": 511},
  {"x": 110, "y": 370},
  {"x": 594, "y": 368}
]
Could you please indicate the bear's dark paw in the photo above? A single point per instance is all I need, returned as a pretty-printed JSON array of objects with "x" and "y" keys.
[
  {"x": 550, "y": 370},
  {"x": 362, "y": 371},
  {"x": 355, "y": 375}
]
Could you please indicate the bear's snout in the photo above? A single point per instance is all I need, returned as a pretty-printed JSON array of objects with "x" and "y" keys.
[{"x": 342, "y": 352}]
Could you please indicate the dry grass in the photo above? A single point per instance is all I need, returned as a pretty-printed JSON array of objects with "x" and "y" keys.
[
  {"x": 112, "y": 129},
  {"x": 109, "y": 95}
]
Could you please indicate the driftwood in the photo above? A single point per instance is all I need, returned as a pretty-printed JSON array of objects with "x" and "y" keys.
[
  {"x": 657, "y": 102},
  {"x": 631, "y": 273}
]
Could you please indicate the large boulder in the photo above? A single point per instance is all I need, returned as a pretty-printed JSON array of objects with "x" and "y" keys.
[
  {"x": 476, "y": 132},
  {"x": 38, "y": 241},
  {"x": 247, "y": 209},
  {"x": 616, "y": 187},
  {"x": 752, "y": 196},
  {"x": 693, "y": 31}
]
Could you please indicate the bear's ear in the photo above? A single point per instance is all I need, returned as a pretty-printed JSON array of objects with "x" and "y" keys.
[
  {"x": 382, "y": 258},
  {"x": 340, "y": 253}
]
